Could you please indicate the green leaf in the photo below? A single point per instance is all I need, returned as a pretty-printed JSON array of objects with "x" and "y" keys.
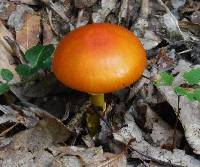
[
  {"x": 183, "y": 92},
  {"x": 37, "y": 54},
  {"x": 192, "y": 77},
  {"x": 190, "y": 96},
  {"x": 32, "y": 54},
  {"x": 164, "y": 79},
  {"x": 197, "y": 94},
  {"x": 180, "y": 91},
  {"x": 47, "y": 54},
  {"x": 4, "y": 88},
  {"x": 47, "y": 63},
  {"x": 24, "y": 70},
  {"x": 6, "y": 75}
]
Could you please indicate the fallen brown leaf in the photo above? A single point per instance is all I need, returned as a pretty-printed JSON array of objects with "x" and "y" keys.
[
  {"x": 163, "y": 60},
  {"x": 6, "y": 9},
  {"x": 28, "y": 36},
  {"x": 47, "y": 33},
  {"x": 28, "y": 2},
  {"x": 28, "y": 147},
  {"x": 189, "y": 26},
  {"x": 16, "y": 19},
  {"x": 84, "y": 3},
  {"x": 6, "y": 59},
  {"x": 91, "y": 157}
]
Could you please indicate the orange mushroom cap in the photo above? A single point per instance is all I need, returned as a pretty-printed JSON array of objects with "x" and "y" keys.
[{"x": 99, "y": 58}]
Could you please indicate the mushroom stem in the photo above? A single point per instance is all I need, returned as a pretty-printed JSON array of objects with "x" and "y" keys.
[
  {"x": 93, "y": 120},
  {"x": 97, "y": 100}
]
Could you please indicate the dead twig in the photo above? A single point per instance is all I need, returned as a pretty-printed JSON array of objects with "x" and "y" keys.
[
  {"x": 123, "y": 11},
  {"x": 153, "y": 159},
  {"x": 144, "y": 12},
  {"x": 58, "y": 11},
  {"x": 49, "y": 12},
  {"x": 172, "y": 16},
  {"x": 80, "y": 15},
  {"x": 142, "y": 24},
  {"x": 16, "y": 49},
  {"x": 7, "y": 130}
]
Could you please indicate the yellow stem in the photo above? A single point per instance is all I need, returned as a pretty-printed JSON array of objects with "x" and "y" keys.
[
  {"x": 93, "y": 119},
  {"x": 98, "y": 100}
]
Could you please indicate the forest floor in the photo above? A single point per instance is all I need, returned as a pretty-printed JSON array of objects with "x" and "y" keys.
[{"x": 155, "y": 121}]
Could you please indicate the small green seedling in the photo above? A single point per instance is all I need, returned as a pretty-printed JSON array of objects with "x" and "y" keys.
[
  {"x": 164, "y": 78},
  {"x": 191, "y": 86},
  {"x": 7, "y": 76},
  {"x": 38, "y": 58}
]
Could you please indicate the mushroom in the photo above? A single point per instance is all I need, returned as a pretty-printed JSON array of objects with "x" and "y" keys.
[{"x": 99, "y": 58}]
